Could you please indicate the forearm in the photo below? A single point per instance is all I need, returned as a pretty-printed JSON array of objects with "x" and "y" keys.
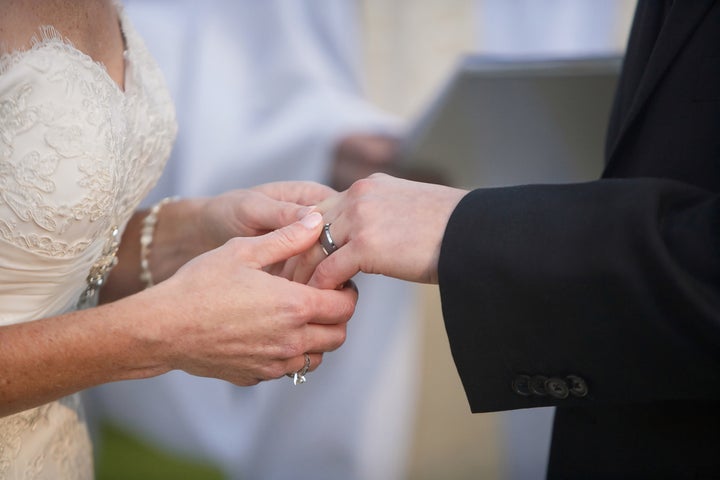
[
  {"x": 175, "y": 242},
  {"x": 44, "y": 360},
  {"x": 220, "y": 315},
  {"x": 614, "y": 281}
]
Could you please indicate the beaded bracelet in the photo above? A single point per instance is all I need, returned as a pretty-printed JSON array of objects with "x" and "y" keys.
[{"x": 146, "y": 239}]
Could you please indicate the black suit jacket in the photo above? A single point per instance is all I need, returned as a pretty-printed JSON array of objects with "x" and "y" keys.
[{"x": 615, "y": 281}]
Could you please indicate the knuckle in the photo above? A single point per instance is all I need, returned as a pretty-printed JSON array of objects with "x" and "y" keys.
[
  {"x": 361, "y": 187},
  {"x": 274, "y": 370},
  {"x": 364, "y": 241},
  {"x": 247, "y": 383},
  {"x": 235, "y": 243},
  {"x": 363, "y": 211},
  {"x": 236, "y": 247},
  {"x": 342, "y": 336},
  {"x": 298, "y": 309},
  {"x": 349, "y": 310},
  {"x": 368, "y": 210},
  {"x": 285, "y": 237},
  {"x": 291, "y": 348},
  {"x": 339, "y": 338}
]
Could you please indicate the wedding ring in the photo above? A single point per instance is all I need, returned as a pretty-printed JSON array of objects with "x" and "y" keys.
[
  {"x": 326, "y": 240},
  {"x": 299, "y": 376}
]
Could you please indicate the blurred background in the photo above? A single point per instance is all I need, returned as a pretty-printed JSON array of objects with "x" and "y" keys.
[{"x": 324, "y": 90}]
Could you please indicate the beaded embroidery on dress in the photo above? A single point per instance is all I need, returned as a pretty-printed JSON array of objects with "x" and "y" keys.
[{"x": 77, "y": 155}]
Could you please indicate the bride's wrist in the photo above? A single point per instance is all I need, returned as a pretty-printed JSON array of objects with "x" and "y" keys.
[
  {"x": 170, "y": 237},
  {"x": 147, "y": 235}
]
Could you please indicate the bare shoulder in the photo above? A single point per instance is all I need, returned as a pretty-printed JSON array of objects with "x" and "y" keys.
[
  {"x": 89, "y": 24},
  {"x": 21, "y": 19}
]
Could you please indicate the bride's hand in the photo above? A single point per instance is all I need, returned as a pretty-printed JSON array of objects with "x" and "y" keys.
[
  {"x": 190, "y": 227},
  {"x": 225, "y": 317},
  {"x": 247, "y": 213}
]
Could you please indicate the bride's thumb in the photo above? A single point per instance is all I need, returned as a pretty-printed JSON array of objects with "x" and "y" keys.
[{"x": 286, "y": 242}]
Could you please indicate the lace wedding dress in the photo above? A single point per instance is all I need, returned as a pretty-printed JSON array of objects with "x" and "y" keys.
[{"x": 77, "y": 154}]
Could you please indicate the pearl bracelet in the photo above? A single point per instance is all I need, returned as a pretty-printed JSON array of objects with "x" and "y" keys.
[{"x": 146, "y": 239}]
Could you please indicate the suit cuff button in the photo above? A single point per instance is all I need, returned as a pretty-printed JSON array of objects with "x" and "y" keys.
[
  {"x": 520, "y": 385},
  {"x": 557, "y": 388},
  {"x": 537, "y": 385},
  {"x": 578, "y": 387}
]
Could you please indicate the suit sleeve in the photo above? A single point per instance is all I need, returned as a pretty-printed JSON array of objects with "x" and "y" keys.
[{"x": 614, "y": 282}]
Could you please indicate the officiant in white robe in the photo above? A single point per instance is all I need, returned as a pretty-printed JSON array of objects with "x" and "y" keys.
[{"x": 264, "y": 91}]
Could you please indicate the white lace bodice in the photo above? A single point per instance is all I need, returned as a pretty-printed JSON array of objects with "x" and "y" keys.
[{"x": 77, "y": 154}]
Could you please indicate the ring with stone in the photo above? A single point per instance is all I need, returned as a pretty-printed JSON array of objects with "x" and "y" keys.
[{"x": 299, "y": 376}]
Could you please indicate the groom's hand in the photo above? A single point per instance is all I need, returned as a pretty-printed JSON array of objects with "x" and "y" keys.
[{"x": 383, "y": 225}]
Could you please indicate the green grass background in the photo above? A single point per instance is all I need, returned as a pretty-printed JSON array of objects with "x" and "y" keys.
[{"x": 123, "y": 457}]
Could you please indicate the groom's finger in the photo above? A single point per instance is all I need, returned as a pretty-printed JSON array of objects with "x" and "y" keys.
[
  {"x": 308, "y": 261},
  {"x": 337, "y": 268},
  {"x": 305, "y": 264}
]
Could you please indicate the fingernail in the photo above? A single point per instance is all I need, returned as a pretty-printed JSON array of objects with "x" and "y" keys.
[
  {"x": 303, "y": 212},
  {"x": 311, "y": 221}
]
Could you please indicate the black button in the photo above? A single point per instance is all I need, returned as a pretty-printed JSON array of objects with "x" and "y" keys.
[
  {"x": 520, "y": 385},
  {"x": 577, "y": 386},
  {"x": 537, "y": 385},
  {"x": 557, "y": 388}
]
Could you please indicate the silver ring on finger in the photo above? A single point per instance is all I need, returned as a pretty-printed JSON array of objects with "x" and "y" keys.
[
  {"x": 299, "y": 376},
  {"x": 326, "y": 241}
]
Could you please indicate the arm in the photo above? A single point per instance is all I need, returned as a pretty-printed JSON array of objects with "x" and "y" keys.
[
  {"x": 47, "y": 359},
  {"x": 189, "y": 227},
  {"x": 220, "y": 315},
  {"x": 384, "y": 225},
  {"x": 614, "y": 281}
]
